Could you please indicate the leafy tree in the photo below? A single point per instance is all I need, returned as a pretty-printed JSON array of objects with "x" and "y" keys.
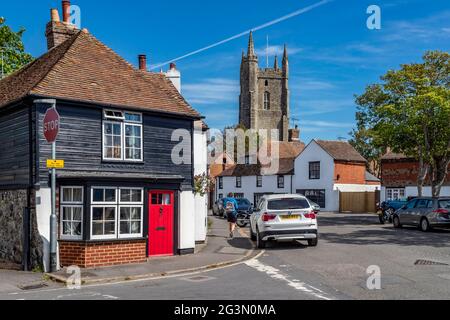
[
  {"x": 11, "y": 44},
  {"x": 410, "y": 113}
]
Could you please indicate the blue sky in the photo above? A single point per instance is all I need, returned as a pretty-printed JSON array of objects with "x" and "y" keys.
[{"x": 333, "y": 55}]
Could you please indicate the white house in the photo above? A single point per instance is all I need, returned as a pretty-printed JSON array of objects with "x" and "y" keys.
[{"x": 324, "y": 169}]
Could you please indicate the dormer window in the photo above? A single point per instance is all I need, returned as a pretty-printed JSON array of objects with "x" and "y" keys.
[
  {"x": 122, "y": 136},
  {"x": 266, "y": 100}
]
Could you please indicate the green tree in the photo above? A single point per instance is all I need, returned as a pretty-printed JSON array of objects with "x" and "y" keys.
[
  {"x": 12, "y": 49},
  {"x": 410, "y": 113}
]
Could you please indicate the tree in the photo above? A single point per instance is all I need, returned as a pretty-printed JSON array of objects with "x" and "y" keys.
[
  {"x": 12, "y": 48},
  {"x": 410, "y": 113}
]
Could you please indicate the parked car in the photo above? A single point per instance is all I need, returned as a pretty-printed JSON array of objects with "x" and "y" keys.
[
  {"x": 390, "y": 206},
  {"x": 425, "y": 213},
  {"x": 284, "y": 217},
  {"x": 244, "y": 206},
  {"x": 218, "y": 209}
]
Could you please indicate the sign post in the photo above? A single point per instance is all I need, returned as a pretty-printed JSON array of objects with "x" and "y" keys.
[{"x": 51, "y": 129}]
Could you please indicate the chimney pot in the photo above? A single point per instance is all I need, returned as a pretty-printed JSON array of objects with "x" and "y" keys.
[
  {"x": 173, "y": 66},
  {"x": 143, "y": 62},
  {"x": 66, "y": 10},
  {"x": 54, "y": 14}
]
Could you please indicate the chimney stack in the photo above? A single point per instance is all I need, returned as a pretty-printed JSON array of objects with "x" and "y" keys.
[
  {"x": 175, "y": 76},
  {"x": 66, "y": 10},
  {"x": 143, "y": 62},
  {"x": 58, "y": 31},
  {"x": 294, "y": 134}
]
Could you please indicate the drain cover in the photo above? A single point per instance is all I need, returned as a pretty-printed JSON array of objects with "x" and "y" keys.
[
  {"x": 429, "y": 263},
  {"x": 33, "y": 286}
]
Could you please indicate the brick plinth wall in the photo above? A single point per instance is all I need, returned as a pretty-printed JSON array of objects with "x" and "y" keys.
[{"x": 102, "y": 254}]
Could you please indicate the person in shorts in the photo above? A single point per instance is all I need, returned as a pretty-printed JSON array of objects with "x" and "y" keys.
[{"x": 231, "y": 205}]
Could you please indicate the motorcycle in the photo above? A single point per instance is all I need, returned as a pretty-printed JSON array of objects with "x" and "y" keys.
[
  {"x": 385, "y": 214},
  {"x": 243, "y": 219}
]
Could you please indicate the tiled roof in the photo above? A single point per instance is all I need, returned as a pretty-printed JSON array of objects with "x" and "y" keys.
[
  {"x": 393, "y": 156},
  {"x": 341, "y": 150},
  {"x": 370, "y": 177},
  {"x": 288, "y": 152},
  {"x": 84, "y": 69}
]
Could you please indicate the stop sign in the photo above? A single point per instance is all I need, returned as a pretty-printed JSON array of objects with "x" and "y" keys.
[{"x": 51, "y": 125}]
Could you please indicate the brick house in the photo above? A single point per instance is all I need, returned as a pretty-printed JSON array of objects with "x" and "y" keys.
[
  {"x": 399, "y": 178},
  {"x": 120, "y": 197},
  {"x": 328, "y": 172}
]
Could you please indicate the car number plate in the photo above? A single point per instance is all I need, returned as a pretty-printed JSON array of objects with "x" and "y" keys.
[{"x": 293, "y": 217}]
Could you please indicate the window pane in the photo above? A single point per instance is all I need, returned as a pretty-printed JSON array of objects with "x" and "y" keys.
[
  {"x": 77, "y": 195},
  {"x": 97, "y": 214},
  {"x": 67, "y": 228},
  {"x": 110, "y": 213},
  {"x": 166, "y": 199},
  {"x": 110, "y": 228},
  {"x": 98, "y": 195},
  {"x": 154, "y": 198},
  {"x": 133, "y": 117},
  {"x": 67, "y": 195},
  {"x": 77, "y": 212},
  {"x": 76, "y": 229},
  {"x": 135, "y": 227},
  {"x": 117, "y": 129},
  {"x": 67, "y": 213},
  {"x": 136, "y": 195},
  {"x": 108, "y": 128},
  {"x": 110, "y": 195},
  {"x": 125, "y": 213},
  {"x": 97, "y": 228},
  {"x": 136, "y": 213},
  {"x": 125, "y": 195},
  {"x": 125, "y": 227}
]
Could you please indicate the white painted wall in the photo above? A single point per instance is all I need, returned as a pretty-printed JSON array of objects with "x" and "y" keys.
[
  {"x": 269, "y": 185},
  {"x": 313, "y": 152},
  {"x": 187, "y": 220},
  {"x": 43, "y": 213},
  {"x": 200, "y": 167},
  {"x": 412, "y": 192}
]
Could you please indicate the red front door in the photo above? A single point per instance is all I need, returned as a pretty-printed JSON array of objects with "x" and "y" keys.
[{"x": 161, "y": 223}]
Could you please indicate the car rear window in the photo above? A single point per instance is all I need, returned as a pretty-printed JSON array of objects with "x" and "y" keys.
[
  {"x": 244, "y": 202},
  {"x": 287, "y": 204},
  {"x": 444, "y": 204}
]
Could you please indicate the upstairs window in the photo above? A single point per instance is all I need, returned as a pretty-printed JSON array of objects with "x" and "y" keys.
[
  {"x": 314, "y": 170},
  {"x": 238, "y": 182},
  {"x": 280, "y": 182},
  {"x": 220, "y": 183},
  {"x": 259, "y": 181},
  {"x": 122, "y": 136},
  {"x": 266, "y": 100}
]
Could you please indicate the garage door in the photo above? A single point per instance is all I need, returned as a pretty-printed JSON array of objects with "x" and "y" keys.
[{"x": 357, "y": 202}]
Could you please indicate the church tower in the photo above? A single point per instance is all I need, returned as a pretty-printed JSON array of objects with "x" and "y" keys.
[{"x": 264, "y": 98}]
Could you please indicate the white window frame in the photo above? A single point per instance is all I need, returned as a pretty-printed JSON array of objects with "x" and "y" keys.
[
  {"x": 398, "y": 191},
  {"x": 70, "y": 204},
  {"x": 131, "y": 203},
  {"x": 101, "y": 202},
  {"x": 103, "y": 237},
  {"x": 123, "y": 122},
  {"x": 127, "y": 235}
]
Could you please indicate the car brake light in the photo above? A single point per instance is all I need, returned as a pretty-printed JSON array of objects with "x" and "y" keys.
[
  {"x": 268, "y": 217},
  {"x": 441, "y": 211},
  {"x": 310, "y": 215}
]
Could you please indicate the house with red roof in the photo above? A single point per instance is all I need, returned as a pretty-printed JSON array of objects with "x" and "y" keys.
[{"x": 120, "y": 198}]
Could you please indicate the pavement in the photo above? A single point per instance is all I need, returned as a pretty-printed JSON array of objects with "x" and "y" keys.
[{"x": 218, "y": 252}]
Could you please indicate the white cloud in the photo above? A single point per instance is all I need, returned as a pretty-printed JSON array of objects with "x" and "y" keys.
[
  {"x": 212, "y": 91},
  {"x": 276, "y": 51},
  {"x": 308, "y": 84}
]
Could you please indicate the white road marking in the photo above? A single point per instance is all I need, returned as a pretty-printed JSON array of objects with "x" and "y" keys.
[{"x": 276, "y": 274}]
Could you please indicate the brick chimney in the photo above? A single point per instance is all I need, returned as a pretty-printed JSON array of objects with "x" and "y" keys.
[
  {"x": 294, "y": 134},
  {"x": 143, "y": 62},
  {"x": 58, "y": 31}
]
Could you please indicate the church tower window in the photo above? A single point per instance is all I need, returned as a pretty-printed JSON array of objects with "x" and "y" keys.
[{"x": 266, "y": 100}]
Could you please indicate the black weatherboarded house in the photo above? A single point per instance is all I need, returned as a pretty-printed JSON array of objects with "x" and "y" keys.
[{"x": 116, "y": 139}]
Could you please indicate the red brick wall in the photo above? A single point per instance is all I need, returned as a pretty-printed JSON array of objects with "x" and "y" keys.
[
  {"x": 401, "y": 173},
  {"x": 350, "y": 173},
  {"x": 101, "y": 254}
]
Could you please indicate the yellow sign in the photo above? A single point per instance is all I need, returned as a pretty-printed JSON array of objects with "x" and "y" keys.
[{"x": 55, "y": 164}]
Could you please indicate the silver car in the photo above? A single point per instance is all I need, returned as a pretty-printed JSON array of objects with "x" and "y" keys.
[
  {"x": 425, "y": 213},
  {"x": 284, "y": 218}
]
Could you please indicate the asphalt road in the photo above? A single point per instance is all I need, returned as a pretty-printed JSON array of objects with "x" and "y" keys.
[{"x": 336, "y": 269}]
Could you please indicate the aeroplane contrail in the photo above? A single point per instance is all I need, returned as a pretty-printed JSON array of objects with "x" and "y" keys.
[{"x": 265, "y": 25}]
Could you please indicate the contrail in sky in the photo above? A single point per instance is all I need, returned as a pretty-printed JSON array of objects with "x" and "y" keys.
[{"x": 265, "y": 25}]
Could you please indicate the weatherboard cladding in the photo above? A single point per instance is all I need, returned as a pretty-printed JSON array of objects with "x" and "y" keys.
[
  {"x": 80, "y": 144},
  {"x": 84, "y": 69}
]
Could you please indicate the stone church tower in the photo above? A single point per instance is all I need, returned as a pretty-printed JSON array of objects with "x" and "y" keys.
[{"x": 264, "y": 99}]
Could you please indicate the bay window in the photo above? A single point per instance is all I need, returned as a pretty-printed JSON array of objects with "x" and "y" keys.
[
  {"x": 122, "y": 136},
  {"x": 116, "y": 212},
  {"x": 71, "y": 212}
]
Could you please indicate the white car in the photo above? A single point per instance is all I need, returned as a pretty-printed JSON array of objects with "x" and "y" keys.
[{"x": 284, "y": 218}]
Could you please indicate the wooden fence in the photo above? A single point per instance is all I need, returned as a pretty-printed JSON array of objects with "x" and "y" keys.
[{"x": 358, "y": 202}]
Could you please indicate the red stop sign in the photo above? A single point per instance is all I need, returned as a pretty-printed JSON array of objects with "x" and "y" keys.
[{"x": 51, "y": 125}]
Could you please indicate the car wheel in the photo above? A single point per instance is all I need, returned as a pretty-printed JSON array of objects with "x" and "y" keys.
[
  {"x": 396, "y": 222},
  {"x": 241, "y": 220},
  {"x": 260, "y": 244},
  {"x": 424, "y": 225},
  {"x": 313, "y": 242}
]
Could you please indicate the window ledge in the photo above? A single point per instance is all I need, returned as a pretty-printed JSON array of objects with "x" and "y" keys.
[{"x": 103, "y": 240}]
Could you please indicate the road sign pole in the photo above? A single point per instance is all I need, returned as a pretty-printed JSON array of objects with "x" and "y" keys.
[{"x": 53, "y": 227}]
